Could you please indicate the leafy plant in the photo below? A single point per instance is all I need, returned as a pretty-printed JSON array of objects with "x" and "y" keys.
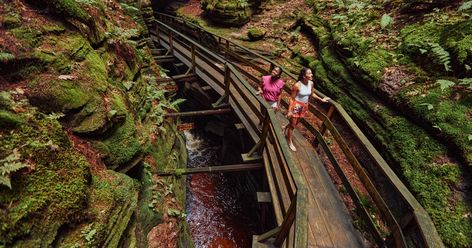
[
  {"x": 175, "y": 213},
  {"x": 9, "y": 165},
  {"x": 386, "y": 21},
  {"x": 467, "y": 82},
  {"x": 5, "y": 57},
  {"x": 55, "y": 116},
  {"x": 465, "y": 6},
  {"x": 88, "y": 233},
  {"x": 444, "y": 84},
  {"x": 440, "y": 55},
  {"x": 428, "y": 105}
]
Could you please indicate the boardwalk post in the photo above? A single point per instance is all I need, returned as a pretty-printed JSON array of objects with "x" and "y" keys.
[
  {"x": 259, "y": 146},
  {"x": 329, "y": 114},
  {"x": 287, "y": 224},
  {"x": 193, "y": 58},
  {"x": 227, "y": 49},
  {"x": 171, "y": 43},
  {"x": 225, "y": 97},
  {"x": 158, "y": 34}
]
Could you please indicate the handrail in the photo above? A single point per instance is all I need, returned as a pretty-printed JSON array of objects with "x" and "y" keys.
[
  {"x": 410, "y": 222},
  {"x": 270, "y": 139}
]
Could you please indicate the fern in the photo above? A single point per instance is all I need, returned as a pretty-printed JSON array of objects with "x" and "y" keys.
[
  {"x": 9, "y": 165},
  {"x": 445, "y": 83},
  {"x": 466, "y": 82},
  {"x": 440, "y": 55},
  {"x": 173, "y": 105},
  {"x": 5, "y": 57},
  {"x": 465, "y": 6}
]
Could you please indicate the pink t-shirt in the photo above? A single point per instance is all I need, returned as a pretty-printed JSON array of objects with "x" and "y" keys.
[{"x": 271, "y": 88}]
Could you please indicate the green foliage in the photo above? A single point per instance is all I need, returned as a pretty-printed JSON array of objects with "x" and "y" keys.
[
  {"x": 176, "y": 213},
  {"x": 465, "y": 6},
  {"x": 5, "y": 57},
  {"x": 9, "y": 165},
  {"x": 440, "y": 55},
  {"x": 428, "y": 105},
  {"x": 9, "y": 119},
  {"x": 445, "y": 83},
  {"x": 88, "y": 233},
  {"x": 386, "y": 21},
  {"x": 55, "y": 116},
  {"x": 467, "y": 82}
]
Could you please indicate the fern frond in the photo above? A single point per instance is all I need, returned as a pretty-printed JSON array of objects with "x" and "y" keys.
[
  {"x": 8, "y": 168},
  {"x": 465, "y": 6},
  {"x": 173, "y": 105},
  {"x": 441, "y": 55},
  {"x": 5, "y": 181},
  {"x": 5, "y": 57}
]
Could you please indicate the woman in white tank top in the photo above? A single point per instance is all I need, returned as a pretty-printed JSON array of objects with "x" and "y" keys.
[{"x": 298, "y": 105}]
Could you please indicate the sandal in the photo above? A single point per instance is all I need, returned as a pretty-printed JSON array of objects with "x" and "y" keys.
[{"x": 292, "y": 147}]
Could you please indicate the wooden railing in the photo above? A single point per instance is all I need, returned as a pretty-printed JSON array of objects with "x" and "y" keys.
[
  {"x": 288, "y": 189},
  {"x": 407, "y": 221}
]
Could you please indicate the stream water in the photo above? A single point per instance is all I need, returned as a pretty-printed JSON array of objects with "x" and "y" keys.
[{"x": 214, "y": 212}]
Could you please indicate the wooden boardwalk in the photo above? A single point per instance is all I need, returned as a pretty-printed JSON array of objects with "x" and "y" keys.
[{"x": 329, "y": 222}]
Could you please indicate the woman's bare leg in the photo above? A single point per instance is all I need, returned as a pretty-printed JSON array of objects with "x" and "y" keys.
[{"x": 290, "y": 127}]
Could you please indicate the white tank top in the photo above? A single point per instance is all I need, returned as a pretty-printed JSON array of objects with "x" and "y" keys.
[{"x": 304, "y": 91}]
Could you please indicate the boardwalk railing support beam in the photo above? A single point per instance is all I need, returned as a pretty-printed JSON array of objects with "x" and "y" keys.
[
  {"x": 260, "y": 145},
  {"x": 199, "y": 113},
  {"x": 225, "y": 97}
]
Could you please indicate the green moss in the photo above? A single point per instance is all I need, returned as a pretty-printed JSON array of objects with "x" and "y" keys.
[
  {"x": 121, "y": 146},
  {"x": 96, "y": 69},
  {"x": 5, "y": 100},
  {"x": 9, "y": 119},
  {"x": 92, "y": 118},
  {"x": 69, "y": 8},
  {"x": 113, "y": 199},
  {"x": 76, "y": 47},
  {"x": 372, "y": 63},
  {"x": 31, "y": 36},
  {"x": 51, "y": 194},
  {"x": 458, "y": 39},
  {"x": 255, "y": 34},
  {"x": 57, "y": 95},
  {"x": 11, "y": 20}
]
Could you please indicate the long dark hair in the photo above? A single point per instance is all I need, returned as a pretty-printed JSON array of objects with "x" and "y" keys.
[{"x": 302, "y": 73}]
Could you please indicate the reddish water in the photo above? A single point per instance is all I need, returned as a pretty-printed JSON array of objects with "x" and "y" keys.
[{"x": 213, "y": 210}]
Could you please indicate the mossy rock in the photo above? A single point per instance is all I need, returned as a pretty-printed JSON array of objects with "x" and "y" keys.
[
  {"x": 75, "y": 46},
  {"x": 31, "y": 37},
  {"x": 96, "y": 70},
  {"x": 96, "y": 117},
  {"x": 255, "y": 34},
  {"x": 92, "y": 119},
  {"x": 228, "y": 13},
  {"x": 54, "y": 95},
  {"x": 113, "y": 202},
  {"x": 51, "y": 194},
  {"x": 121, "y": 145},
  {"x": 458, "y": 40}
]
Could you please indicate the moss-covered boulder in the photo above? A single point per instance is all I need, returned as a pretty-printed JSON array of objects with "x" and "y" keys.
[
  {"x": 255, "y": 34},
  {"x": 112, "y": 205},
  {"x": 229, "y": 13},
  {"x": 51, "y": 192}
]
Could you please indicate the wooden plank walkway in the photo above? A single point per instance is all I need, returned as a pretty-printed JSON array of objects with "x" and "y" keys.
[{"x": 329, "y": 221}]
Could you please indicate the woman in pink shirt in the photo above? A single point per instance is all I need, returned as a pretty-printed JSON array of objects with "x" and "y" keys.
[{"x": 271, "y": 87}]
